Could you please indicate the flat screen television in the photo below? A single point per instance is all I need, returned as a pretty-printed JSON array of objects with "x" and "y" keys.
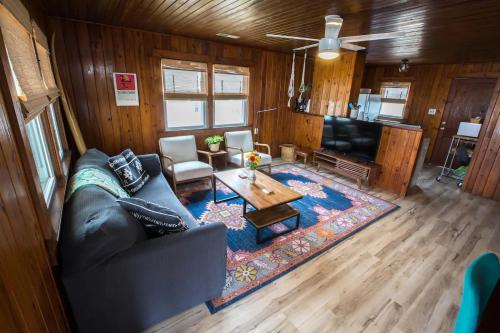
[{"x": 357, "y": 138}]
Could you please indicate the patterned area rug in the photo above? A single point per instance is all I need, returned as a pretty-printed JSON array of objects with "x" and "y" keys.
[{"x": 330, "y": 213}]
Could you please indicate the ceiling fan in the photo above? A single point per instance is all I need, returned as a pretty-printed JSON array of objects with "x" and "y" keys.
[{"x": 330, "y": 45}]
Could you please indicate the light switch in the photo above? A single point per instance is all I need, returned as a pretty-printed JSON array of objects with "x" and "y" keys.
[{"x": 432, "y": 112}]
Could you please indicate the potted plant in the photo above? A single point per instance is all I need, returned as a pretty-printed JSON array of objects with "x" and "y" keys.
[
  {"x": 213, "y": 142},
  {"x": 253, "y": 161}
]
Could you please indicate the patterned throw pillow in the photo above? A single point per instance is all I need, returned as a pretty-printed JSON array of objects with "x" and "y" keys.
[
  {"x": 129, "y": 169},
  {"x": 156, "y": 220}
]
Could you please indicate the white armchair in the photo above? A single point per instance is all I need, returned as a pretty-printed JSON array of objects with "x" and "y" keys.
[
  {"x": 179, "y": 158},
  {"x": 239, "y": 143}
]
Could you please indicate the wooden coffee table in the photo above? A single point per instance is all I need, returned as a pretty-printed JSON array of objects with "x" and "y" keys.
[{"x": 270, "y": 208}]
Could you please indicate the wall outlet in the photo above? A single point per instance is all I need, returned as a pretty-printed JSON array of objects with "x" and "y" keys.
[{"x": 432, "y": 112}]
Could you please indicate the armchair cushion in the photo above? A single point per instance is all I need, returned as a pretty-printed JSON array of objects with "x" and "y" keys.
[
  {"x": 180, "y": 148},
  {"x": 191, "y": 170},
  {"x": 239, "y": 139},
  {"x": 265, "y": 159}
]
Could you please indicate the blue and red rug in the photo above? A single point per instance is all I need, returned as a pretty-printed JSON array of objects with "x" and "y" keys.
[{"x": 330, "y": 213}]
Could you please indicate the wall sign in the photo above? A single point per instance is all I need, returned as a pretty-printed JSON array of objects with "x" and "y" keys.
[{"x": 126, "y": 89}]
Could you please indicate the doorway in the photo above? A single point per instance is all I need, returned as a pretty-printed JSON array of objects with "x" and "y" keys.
[{"x": 468, "y": 98}]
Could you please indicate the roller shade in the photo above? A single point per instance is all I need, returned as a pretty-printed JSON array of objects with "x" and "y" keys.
[{"x": 31, "y": 89}]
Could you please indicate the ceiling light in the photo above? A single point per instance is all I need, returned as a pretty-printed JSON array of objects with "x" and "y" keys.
[
  {"x": 404, "y": 66},
  {"x": 221, "y": 34},
  {"x": 329, "y": 48}
]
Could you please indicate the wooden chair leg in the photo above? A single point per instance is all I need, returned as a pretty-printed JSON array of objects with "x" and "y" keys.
[{"x": 175, "y": 186}]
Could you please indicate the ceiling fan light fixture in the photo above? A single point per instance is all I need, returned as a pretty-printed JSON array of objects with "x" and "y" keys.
[{"x": 329, "y": 48}]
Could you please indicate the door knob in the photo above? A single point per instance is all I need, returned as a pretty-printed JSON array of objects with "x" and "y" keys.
[{"x": 441, "y": 128}]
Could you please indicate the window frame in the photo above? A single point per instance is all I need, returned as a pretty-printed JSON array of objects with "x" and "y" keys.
[
  {"x": 48, "y": 193},
  {"x": 243, "y": 96},
  {"x": 404, "y": 102},
  {"x": 210, "y": 100},
  {"x": 201, "y": 96}
]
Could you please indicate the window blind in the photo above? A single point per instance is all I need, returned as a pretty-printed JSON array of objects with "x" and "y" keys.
[
  {"x": 42, "y": 50},
  {"x": 231, "y": 80},
  {"x": 184, "y": 77},
  {"x": 21, "y": 52}
]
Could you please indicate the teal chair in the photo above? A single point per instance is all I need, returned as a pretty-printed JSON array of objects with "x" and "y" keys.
[{"x": 480, "y": 280}]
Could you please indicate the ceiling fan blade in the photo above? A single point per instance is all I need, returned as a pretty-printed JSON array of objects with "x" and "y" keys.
[
  {"x": 292, "y": 37},
  {"x": 306, "y": 47},
  {"x": 352, "y": 47},
  {"x": 364, "y": 38}
]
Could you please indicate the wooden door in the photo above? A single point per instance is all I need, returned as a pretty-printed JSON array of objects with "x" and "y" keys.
[{"x": 468, "y": 98}]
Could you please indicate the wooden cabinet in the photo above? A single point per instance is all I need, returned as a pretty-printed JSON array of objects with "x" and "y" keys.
[{"x": 336, "y": 82}]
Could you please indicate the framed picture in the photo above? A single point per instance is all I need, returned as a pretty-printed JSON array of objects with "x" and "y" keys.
[{"x": 126, "y": 93}]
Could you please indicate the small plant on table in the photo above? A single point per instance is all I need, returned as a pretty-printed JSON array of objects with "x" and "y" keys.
[{"x": 213, "y": 142}]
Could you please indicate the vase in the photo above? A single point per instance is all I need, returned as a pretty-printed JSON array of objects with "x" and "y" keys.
[
  {"x": 214, "y": 147},
  {"x": 252, "y": 177}
]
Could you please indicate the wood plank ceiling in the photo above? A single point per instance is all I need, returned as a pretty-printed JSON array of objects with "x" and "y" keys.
[{"x": 444, "y": 31}]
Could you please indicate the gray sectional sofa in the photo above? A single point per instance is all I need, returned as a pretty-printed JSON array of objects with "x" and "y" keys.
[{"x": 117, "y": 280}]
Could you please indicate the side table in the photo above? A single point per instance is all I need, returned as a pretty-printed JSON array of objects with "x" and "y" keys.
[{"x": 211, "y": 155}]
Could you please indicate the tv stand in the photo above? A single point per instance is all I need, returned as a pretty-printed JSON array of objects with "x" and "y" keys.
[{"x": 348, "y": 166}]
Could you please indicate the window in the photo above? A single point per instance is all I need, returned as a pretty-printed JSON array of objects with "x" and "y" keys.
[
  {"x": 394, "y": 96},
  {"x": 185, "y": 94},
  {"x": 55, "y": 128},
  {"x": 230, "y": 95},
  {"x": 39, "y": 148}
]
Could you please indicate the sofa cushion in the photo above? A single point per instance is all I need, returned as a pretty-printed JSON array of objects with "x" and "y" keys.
[
  {"x": 191, "y": 170},
  {"x": 265, "y": 159},
  {"x": 129, "y": 170},
  {"x": 95, "y": 229},
  {"x": 158, "y": 190},
  {"x": 156, "y": 220}
]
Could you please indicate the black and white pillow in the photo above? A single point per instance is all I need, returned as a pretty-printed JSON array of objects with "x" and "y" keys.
[
  {"x": 157, "y": 220},
  {"x": 129, "y": 170}
]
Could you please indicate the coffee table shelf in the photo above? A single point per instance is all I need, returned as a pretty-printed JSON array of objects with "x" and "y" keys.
[
  {"x": 267, "y": 217},
  {"x": 270, "y": 208}
]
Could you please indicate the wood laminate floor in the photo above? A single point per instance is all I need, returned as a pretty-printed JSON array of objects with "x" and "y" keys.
[{"x": 401, "y": 274}]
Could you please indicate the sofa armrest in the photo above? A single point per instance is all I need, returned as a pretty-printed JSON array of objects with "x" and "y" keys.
[{"x": 151, "y": 163}]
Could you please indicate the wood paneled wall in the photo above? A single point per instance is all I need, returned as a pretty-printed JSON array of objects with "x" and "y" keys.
[
  {"x": 333, "y": 82},
  {"x": 430, "y": 85},
  {"x": 483, "y": 177},
  {"x": 29, "y": 299},
  {"x": 88, "y": 54}
]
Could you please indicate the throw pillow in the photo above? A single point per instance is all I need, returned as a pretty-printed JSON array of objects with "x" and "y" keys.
[
  {"x": 129, "y": 170},
  {"x": 157, "y": 220}
]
